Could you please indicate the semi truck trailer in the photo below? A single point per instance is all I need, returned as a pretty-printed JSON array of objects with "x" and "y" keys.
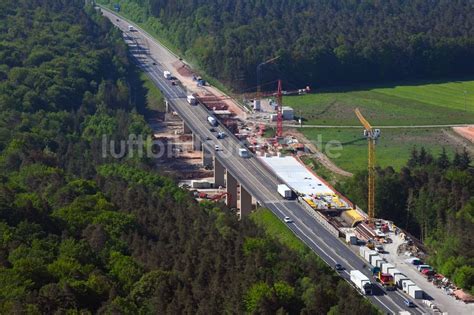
[
  {"x": 361, "y": 281},
  {"x": 191, "y": 99},
  {"x": 285, "y": 191}
]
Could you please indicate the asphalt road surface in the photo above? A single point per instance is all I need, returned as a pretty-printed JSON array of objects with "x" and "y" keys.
[{"x": 256, "y": 179}]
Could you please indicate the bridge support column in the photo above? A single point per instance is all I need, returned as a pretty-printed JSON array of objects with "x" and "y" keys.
[
  {"x": 186, "y": 129},
  {"x": 232, "y": 190},
  {"x": 206, "y": 157},
  {"x": 197, "y": 144},
  {"x": 219, "y": 173},
  {"x": 245, "y": 202}
]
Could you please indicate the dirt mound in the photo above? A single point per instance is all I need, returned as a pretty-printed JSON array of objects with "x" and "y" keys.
[
  {"x": 182, "y": 68},
  {"x": 465, "y": 132}
]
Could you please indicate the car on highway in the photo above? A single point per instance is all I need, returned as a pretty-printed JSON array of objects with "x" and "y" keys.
[
  {"x": 338, "y": 267},
  {"x": 173, "y": 82},
  {"x": 287, "y": 220},
  {"x": 154, "y": 63},
  {"x": 208, "y": 138},
  {"x": 216, "y": 147},
  {"x": 408, "y": 303},
  {"x": 221, "y": 135},
  {"x": 212, "y": 130}
]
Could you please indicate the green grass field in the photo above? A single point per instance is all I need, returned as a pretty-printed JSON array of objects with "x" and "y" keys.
[
  {"x": 277, "y": 229},
  {"x": 421, "y": 104},
  {"x": 393, "y": 148},
  {"x": 441, "y": 103}
]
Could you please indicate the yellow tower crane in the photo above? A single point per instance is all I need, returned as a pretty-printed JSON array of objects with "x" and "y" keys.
[{"x": 372, "y": 135}]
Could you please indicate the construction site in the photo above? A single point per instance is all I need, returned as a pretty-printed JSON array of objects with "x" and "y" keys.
[
  {"x": 280, "y": 152},
  {"x": 257, "y": 121}
]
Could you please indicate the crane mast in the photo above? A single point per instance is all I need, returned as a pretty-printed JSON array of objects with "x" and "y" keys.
[
  {"x": 279, "y": 131},
  {"x": 372, "y": 135}
]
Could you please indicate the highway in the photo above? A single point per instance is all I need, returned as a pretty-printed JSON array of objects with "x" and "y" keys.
[{"x": 258, "y": 180}]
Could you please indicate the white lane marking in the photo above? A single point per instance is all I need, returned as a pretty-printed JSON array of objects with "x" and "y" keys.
[
  {"x": 297, "y": 227},
  {"x": 171, "y": 92}
]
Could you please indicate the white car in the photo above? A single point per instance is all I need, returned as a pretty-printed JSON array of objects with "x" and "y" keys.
[
  {"x": 216, "y": 147},
  {"x": 287, "y": 220}
]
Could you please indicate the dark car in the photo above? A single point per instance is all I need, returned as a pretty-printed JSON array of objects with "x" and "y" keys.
[
  {"x": 339, "y": 267},
  {"x": 408, "y": 303},
  {"x": 212, "y": 130}
]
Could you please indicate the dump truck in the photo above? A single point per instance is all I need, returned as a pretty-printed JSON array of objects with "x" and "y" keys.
[
  {"x": 361, "y": 282},
  {"x": 212, "y": 121},
  {"x": 285, "y": 191}
]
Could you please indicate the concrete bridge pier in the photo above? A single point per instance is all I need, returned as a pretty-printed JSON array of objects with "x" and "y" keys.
[
  {"x": 245, "y": 202},
  {"x": 197, "y": 144},
  {"x": 219, "y": 173},
  {"x": 186, "y": 129},
  {"x": 207, "y": 159},
  {"x": 232, "y": 190}
]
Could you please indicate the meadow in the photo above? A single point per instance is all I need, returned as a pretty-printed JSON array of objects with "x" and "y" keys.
[
  {"x": 397, "y": 105},
  {"x": 422, "y": 104},
  {"x": 393, "y": 148}
]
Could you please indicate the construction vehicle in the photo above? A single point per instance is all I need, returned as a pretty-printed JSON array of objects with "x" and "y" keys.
[
  {"x": 372, "y": 135},
  {"x": 361, "y": 281},
  {"x": 215, "y": 198},
  {"x": 310, "y": 202}
]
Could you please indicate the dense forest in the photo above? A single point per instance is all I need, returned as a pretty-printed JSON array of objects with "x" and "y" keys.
[
  {"x": 319, "y": 42},
  {"x": 84, "y": 233},
  {"x": 432, "y": 197}
]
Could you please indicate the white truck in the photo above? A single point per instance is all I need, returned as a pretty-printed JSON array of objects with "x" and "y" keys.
[
  {"x": 415, "y": 292},
  {"x": 361, "y": 281},
  {"x": 212, "y": 121},
  {"x": 285, "y": 191},
  {"x": 191, "y": 100},
  {"x": 369, "y": 253},
  {"x": 244, "y": 153},
  {"x": 167, "y": 74}
]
